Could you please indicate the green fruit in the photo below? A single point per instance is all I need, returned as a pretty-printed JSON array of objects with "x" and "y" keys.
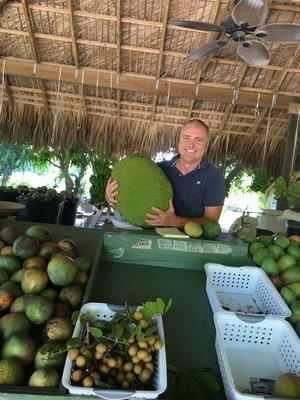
[
  {"x": 71, "y": 295},
  {"x": 254, "y": 247},
  {"x": 67, "y": 245},
  {"x": 10, "y": 263},
  {"x": 58, "y": 328},
  {"x": 281, "y": 240},
  {"x": 260, "y": 255},
  {"x": 62, "y": 270},
  {"x": 292, "y": 275},
  {"x": 285, "y": 262},
  {"x": 269, "y": 266},
  {"x": 39, "y": 309},
  {"x": 3, "y": 276},
  {"x": 20, "y": 346},
  {"x": 83, "y": 263},
  {"x": 50, "y": 293},
  {"x": 18, "y": 305},
  {"x": 266, "y": 240},
  {"x": 12, "y": 287},
  {"x": 44, "y": 377},
  {"x": 18, "y": 276},
  {"x": 9, "y": 234},
  {"x": 13, "y": 323},
  {"x": 39, "y": 232},
  {"x": 211, "y": 229},
  {"x": 294, "y": 252},
  {"x": 35, "y": 261},
  {"x": 249, "y": 238},
  {"x": 193, "y": 229},
  {"x": 6, "y": 299},
  {"x": 295, "y": 287},
  {"x": 25, "y": 247},
  {"x": 63, "y": 310},
  {"x": 276, "y": 251},
  {"x": 81, "y": 279},
  {"x": 295, "y": 308},
  {"x": 287, "y": 386},
  {"x": 48, "y": 249},
  {"x": 50, "y": 354},
  {"x": 11, "y": 372},
  {"x": 288, "y": 295},
  {"x": 64, "y": 253},
  {"x": 34, "y": 281}
]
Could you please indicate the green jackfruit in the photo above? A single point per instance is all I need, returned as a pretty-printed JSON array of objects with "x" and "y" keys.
[{"x": 142, "y": 184}]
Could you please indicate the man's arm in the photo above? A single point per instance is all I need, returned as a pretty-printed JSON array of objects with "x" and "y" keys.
[{"x": 169, "y": 218}]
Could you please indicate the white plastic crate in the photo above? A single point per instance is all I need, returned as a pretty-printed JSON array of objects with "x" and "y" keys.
[
  {"x": 262, "y": 347},
  {"x": 243, "y": 290},
  {"x": 106, "y": 312}
]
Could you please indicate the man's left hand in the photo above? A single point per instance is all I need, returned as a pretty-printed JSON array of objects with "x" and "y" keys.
[{"x": 162, "y": 218}]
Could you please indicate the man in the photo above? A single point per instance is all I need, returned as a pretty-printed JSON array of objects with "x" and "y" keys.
[{"x": 198, "y": 186}]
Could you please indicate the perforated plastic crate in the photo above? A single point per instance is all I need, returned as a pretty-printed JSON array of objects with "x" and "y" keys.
[
  {"x": 243, "y": 290},
  {"x": 254, "y": 347},
  {"x": 106, "y": 312}
]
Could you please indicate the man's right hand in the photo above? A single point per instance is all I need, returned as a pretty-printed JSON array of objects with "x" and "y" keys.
[{"x": 111, "y": 191}]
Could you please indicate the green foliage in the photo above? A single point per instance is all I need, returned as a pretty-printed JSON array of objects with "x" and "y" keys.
[
  {"x": 101, "y": 173},
  {"x": 158, "y": 307},
  {"x": 289, "y": 192},
  {"x": 261, "y": 180},
  {"x": 191, "y": 385}
]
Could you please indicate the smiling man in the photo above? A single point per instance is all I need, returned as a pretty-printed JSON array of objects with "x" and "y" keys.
[{"x": 198, "y": 186}]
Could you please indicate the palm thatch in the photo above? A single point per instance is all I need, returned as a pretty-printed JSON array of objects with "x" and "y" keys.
[{"x": 78, "y": 72}]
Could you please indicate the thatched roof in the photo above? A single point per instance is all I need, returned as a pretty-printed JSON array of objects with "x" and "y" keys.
[{"x": 77, "y": 72}]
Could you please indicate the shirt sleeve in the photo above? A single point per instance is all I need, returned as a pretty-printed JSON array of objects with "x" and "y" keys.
[{"x": 214, "y": 194}]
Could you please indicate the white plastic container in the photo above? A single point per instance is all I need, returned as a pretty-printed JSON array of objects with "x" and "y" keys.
[
  {"x": 254, "y": 347},
  {"x": 106, "y": 312},
  {"x": 243, "y": 290}
]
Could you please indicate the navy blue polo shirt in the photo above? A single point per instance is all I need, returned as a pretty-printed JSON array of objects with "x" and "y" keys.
[{"x": 203, "y": 187}]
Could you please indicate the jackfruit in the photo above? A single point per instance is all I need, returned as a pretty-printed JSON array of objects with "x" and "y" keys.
[{"x": 142, "y": 184}]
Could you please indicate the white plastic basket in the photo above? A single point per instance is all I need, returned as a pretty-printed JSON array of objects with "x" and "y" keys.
[
  {"x": 243, "y": 290},
  {"x": 106, "y": 312},
  {"x": 254, "y": 347}
]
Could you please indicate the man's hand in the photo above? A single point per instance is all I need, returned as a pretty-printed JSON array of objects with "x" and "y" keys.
[
  {"x": 111, "y": 191},
  {"x": 162, "y": 218}
]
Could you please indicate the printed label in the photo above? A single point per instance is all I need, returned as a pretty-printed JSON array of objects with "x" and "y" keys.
[
  {"x": 196, "y": 248},
  {"x": 164, "y": 244},
  {"x": 180, "y": 245},
  {"x": 143, "y": 244},
  {"x": 223, "y": 249}
]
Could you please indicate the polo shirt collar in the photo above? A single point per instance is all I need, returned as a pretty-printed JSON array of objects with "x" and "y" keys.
[{"x": 202, "y": 164}]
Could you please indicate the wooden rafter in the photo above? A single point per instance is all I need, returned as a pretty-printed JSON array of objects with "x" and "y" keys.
[
  {"x": 75, "y": 49},
  {"x": 33, "y": 46},
  {"x": 146, "y": 83},
  {"x": 206, "y": 61},
  {"x": 161, "y": 53},
  {"x": 118, "y": 37}
]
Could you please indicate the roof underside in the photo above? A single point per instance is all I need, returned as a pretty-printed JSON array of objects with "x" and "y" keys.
[{"x": 77, "y": 72}]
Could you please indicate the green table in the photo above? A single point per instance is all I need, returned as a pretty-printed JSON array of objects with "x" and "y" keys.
[{"x": 135, "y": 266}]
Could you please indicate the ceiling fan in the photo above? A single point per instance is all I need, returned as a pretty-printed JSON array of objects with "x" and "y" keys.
[{"x": 246, "y": 20}]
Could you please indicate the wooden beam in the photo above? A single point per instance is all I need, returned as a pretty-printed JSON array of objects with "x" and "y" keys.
[
  {"x": 143, "y": 83},
  {"x": 207, "y": 59},
  {"x": 119, "y": 38},
  {"x": 75, "y": 50},
  {"x": 161, "y": 53}
]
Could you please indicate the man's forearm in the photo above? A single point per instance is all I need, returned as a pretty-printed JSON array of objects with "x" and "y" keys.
[{"x": 179, "y": 222}]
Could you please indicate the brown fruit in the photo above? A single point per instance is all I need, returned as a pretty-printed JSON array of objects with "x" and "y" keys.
[
  {"x": 277, "y": 281},
  {"x": 128, "y": 366},
  {"x": 67, "y": 245},
  {"x": 80, "y": 361},
  {"x": 111, "y": 362},
  {"x": 73, "y": 353},
  {"x": 119, "y": 362},
  {"x": 146, "y": 374},
  {"x": 6, "y": 251},
  {"x": 287, "y": 385},
  {"x": 142, "y": 344},
  {"x": 133, "y": 350},
  {"x": 138, "y": 368},
  {"x": 76, "y": 375},
  {"x": 158, "y": 344},
  {"x": 142, "y": 354},
  {"x": 95, "y": 375},
  {"x": 144, "y": 323},
  {"x": 6, "y": 299},
  {"x": 35, "y": 261},
  {"x": 138, "y": 315},
  {"x": 125, "y": 385},
  {"x": 120, "y": 378},
  {"x": 101, "y": 348},
  {"x": 104, "y": 369},
  {"x": 88, "y": 382}
]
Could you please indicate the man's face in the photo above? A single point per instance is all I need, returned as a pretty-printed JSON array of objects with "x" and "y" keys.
[{"x": 192, "y": 143}]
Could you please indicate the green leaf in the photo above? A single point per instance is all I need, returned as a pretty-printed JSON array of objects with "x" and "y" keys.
[
  {"x": 87, "y": 354},
  {"x": 194, "y": 389},
  {"x": 207, "y": 380},
  {"x": 169, "y": 305},
  {"x": 96, "y": 332},
  {"x": 83, "y": 319},
  {"x": 75, "y": 316},
  {"x": 138, "y": 331},
  {"x": 73, "y": 342},
  {"x": 171, "y": 368},
  {"x": 160, "y": 306},
  {"x": 150, "y": 331},
  {"x": 102, "y": 385},
  {"x": 118, "y": 330},
  {"x": 182, "y": 388}
]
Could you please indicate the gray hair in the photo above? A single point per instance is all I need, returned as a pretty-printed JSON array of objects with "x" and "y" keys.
[{"x": 200, "y": 124}]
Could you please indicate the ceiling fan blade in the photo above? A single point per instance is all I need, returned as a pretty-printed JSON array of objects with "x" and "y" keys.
[
  {"x": 283, "y": 33},
  {"x": 208, "y": 48},
  {"x": 250, "y": 12},
  {"x": 256, "y": 54},
  {"x": 199, "y": 26}
]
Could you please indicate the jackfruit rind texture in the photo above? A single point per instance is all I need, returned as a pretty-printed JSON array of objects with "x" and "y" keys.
[{"x": 142, "y": 184}]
